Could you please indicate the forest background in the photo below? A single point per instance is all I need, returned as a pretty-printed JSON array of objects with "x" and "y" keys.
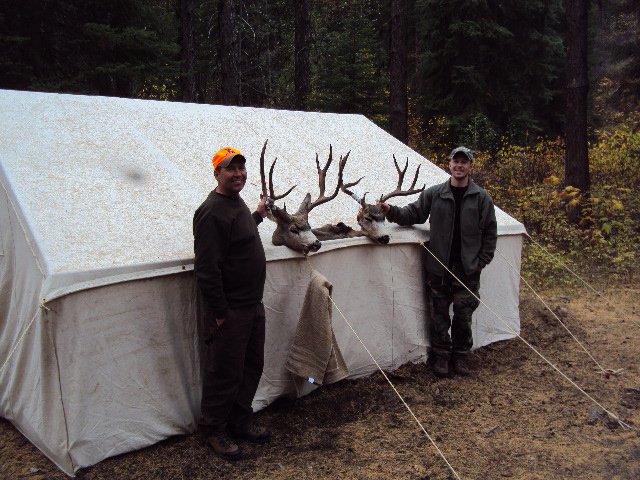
[{"x": 547, "y": 92}]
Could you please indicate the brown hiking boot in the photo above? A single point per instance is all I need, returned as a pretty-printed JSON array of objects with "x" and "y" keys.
[
  {"x": 252, "y": 433},
  {"x": 224, "y": 447},
  {"x": 461, "y": 366},
  {"x": 441, "y": 367}
]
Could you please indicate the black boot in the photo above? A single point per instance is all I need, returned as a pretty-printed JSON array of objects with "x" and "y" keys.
[
  {"x": 461, "y": 366},
  {"x": 441, "y": 366}
]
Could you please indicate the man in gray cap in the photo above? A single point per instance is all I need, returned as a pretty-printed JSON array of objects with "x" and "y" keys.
[{"x": 463, "y": 235}]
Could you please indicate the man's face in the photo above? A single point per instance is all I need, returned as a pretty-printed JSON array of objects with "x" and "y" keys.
[
  {"x": 231, "y": 179},
  {"x": 460, "y": 166}
]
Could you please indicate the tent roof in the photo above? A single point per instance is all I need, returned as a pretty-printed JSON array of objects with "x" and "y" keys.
[{"x": 105, "y": 182}]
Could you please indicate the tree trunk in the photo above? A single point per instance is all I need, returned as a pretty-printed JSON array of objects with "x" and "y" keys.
[
  {"x": 398, "y": 70},
  {"x": 302, "y": 75},
  {"x": 576, "y": 154},
  {"x": 229, "y": 53},
  {"x": 187, "y": 77}
]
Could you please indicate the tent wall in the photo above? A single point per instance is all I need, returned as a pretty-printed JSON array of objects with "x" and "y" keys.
[
  {"x": 129, "y": 365},
  {"x": 30, "y": 393},
  {"x": 124, "y": 358},
  {"x": 380, "y": 291}
]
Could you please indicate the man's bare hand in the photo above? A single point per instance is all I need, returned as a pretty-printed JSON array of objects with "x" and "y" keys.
[
  {"x": 262, "y": 206},
  {"x": 383, "y": 206}
]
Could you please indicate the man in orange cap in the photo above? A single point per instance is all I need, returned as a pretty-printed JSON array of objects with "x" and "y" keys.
[{"x": 230, "y": 269}]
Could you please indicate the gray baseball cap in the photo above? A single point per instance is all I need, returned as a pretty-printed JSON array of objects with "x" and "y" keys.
[{"x": 463, "y": 150}]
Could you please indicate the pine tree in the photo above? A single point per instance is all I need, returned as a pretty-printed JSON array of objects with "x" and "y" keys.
[
  {"x": 349, "y": 64},
  {"x": 492, "y": 68},
  {"x": 616, "y": 56},
  {"x": 229, "y": 52},
  {"x": 187, "y": 51},
  {"x": 398, "y": 101},
  {"x": 117, "y": 47},
  {"x": 302, "y": 78},
  {"x": 576, "y": 154}
]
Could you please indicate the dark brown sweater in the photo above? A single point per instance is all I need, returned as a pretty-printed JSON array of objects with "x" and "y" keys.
[{"x": 230, "y": 265}]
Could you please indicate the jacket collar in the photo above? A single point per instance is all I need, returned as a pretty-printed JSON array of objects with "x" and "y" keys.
[{"x": 446, "y": 192}]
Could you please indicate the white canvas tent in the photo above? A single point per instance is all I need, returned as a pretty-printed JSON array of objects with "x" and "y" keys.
[{"x": 98, "y": 331}]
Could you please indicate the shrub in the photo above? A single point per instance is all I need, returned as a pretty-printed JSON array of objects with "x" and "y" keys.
[{"x": 525, "y": 181}]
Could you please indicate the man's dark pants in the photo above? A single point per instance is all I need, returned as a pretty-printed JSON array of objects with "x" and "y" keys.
[
  {"x": 443, "y": 291},
  {"x": 234, "y": 358}
]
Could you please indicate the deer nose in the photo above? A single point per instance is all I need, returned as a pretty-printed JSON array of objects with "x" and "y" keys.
[
  {"x": 384, "y": 239},
  {"x": 315, "y": 246}
]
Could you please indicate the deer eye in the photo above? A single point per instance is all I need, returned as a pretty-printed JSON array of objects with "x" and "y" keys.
[
  {"x": 294, "y": 229},
  {"x": 368, "y": 219}
]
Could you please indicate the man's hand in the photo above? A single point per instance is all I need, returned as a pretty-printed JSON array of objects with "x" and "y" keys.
[
  {"x": 262, "y": 206},
  {"x": 383, "y": 206}
]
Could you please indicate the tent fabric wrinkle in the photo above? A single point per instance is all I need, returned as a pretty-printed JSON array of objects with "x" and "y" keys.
[{"x": 99, "y": 325}]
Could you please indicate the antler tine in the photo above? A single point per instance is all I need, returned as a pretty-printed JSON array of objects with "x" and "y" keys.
[
  {"x": 262, "y": 179},
  {"x": 346, "y": 186},
  {"x": 400, "y": 173},
  {"x": 398, "y": 191},
  {"x": 271, "y": 192},
  {"x": 415, "y": 178},
  {"x": 322, "y": 176},
  {"x": 345, "y": 189}
]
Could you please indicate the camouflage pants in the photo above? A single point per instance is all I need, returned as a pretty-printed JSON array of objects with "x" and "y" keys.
[{"x": 443, "y": 291}]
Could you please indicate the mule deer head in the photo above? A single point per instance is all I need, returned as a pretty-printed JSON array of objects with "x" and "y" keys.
[
  {"x": 371, "y": 217},
  {"x": 293, "y": 230}
]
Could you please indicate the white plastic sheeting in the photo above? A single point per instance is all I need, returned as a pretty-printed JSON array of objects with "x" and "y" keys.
[{"x": 98, "y": 332}]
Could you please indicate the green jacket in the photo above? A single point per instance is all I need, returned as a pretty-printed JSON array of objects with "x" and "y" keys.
[{"x": 478, "y": 227}]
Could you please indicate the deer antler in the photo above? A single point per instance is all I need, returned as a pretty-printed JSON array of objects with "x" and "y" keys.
[
  {"x": 346, "y": 186},
  {"x": 398, "y": 191},
  {"x": 322, "y": 173},
  {"x": 271, "y": 193}
]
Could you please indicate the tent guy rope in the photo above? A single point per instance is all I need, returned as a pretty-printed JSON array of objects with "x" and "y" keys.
[
  {"x": 559, "y": 262},
  {"x": 20, "y": 339},
  {"x": 603, "y": 370},
  {"x": 389, "y": 381},
  {"x": 609, "y": 412}
]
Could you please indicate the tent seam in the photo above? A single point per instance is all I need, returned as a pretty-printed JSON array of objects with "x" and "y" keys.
[
  {"x": 64, "y": 412},
  {"x": 393, "y": 312},
  {"x": 24, "y": 230}
]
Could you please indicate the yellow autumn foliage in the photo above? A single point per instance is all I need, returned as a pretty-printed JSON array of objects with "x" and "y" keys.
[{"x": 605, "y": 237}]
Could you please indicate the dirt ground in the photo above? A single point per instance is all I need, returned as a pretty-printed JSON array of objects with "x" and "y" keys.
[{"x": 514, "y": 418}]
